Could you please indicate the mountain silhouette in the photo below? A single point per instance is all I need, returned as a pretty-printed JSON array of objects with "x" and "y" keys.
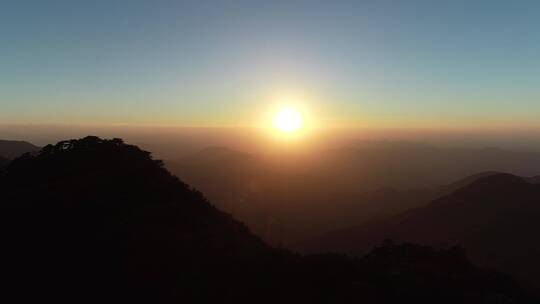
[
  {"x": 533, "y": 179},
  {"x": 464, "y": 182},
  {"x": 94, "y": 219},
  {"x": 107, "y": 206},
  {"x": 341, "y": 186},
  {"x": 492, "y": 218},
  {"x": 12, "y": 148}
]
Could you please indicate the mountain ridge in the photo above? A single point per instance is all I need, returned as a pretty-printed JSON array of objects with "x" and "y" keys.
[
  {"x": 91, "y": 218},
  {"x": 490, "y": 218},
  {"x": 14, "y": 148}
]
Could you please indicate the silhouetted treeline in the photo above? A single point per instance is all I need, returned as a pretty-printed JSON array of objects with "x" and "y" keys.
[{"x": 100, "y": 220}]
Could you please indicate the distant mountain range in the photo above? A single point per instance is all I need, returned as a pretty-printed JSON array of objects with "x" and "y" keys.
[
  {"x": 494, "y": 218},
  {"x": 340, "y": 187},
  {"x": 10, "y": 148}
]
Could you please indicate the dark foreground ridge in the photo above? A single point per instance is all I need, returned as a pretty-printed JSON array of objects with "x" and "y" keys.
[
  {"x": 3, "y": 161},
  {"x": 100, "y": 220}
]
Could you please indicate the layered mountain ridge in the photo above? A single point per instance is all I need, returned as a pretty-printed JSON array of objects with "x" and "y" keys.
[
  {"x": 493, "y": 218},
  {"x": 93, "y": 219}
]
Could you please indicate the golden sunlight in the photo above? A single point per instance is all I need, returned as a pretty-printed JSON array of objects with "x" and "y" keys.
[{"x": 288, "y": 120}]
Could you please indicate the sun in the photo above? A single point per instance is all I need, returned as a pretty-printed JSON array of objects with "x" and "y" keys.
[{"x": 288, "y": 120}]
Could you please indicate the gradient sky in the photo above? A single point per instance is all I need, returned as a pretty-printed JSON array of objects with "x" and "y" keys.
[{"x": 200, "y": 63}]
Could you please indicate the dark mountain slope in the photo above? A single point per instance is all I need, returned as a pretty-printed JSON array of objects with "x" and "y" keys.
[
  {"x": 494, "y": 219},
  {"x": 385, "y": 202},
  {"x": 464, "y": 182},
  {"x": 93, "y": 219},
  {"x": 533, "y": 179},
  {"x": 12, "y": 148},
  {"x": 105, "y": 206}
]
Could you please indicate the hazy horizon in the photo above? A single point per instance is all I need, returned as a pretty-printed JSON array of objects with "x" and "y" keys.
[{"x": 252, "y": 139}]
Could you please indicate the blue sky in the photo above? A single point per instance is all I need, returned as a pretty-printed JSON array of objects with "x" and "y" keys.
[{"x": 374, "y": 63}]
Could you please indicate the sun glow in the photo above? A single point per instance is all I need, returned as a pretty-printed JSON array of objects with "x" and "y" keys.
[{"x": 288, "y": 120}]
